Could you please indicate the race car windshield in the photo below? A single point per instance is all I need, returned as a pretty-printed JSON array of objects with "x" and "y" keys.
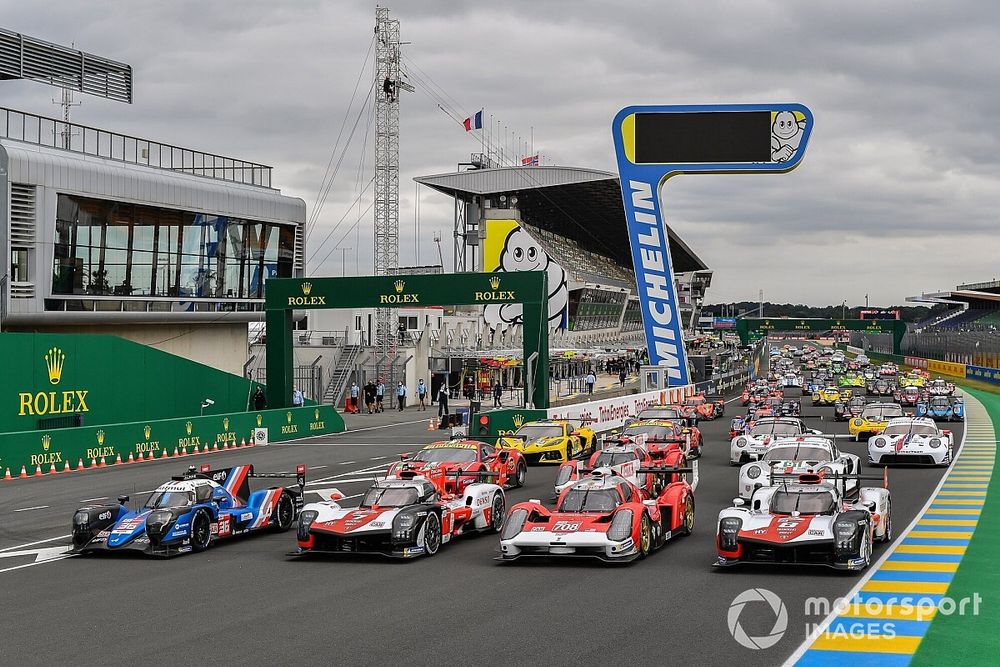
[
  {"x": 450, "y": 454},
  {"x": 775, "y": 428},
  {"x": 786, "y": 502},
  {"x": 163, "y": 499},
  {"x": 389, "y": 497},
  {"x": 536, "y": 432},
  {"x": 796, "y": 453},
  {"x": 589, "y": 500},
  {"x": 651, "y": 432},
  {"x": 660, "y": 413},
  {"x": 879, "y": 413},
  {"x": 608, "y": 459},
  {"x": 914, "y": 429},
  {"x": 940, "y": 402}
]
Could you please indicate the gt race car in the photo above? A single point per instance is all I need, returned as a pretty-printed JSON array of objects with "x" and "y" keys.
[
  {"x": 602, "y": 516},
  {"x": 469, "y": 456},
  {"x": 873, "y": 419},
  {"x": 942, "y": 408},
  {"x": 409, "y": 516},
  {"x": 806, "y": 519},
  {"x": 551, "y": 441},
  {"x": 674, "y": 413},
  {"x": 804, "y": 454},
  {"x": 909, "y": 441},
  {"x": 830, "y": 395},
  {"x": 189, "y": 512}
]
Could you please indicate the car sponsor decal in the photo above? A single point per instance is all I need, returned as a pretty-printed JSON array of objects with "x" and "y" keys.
[{"x": 566, "y": 526}]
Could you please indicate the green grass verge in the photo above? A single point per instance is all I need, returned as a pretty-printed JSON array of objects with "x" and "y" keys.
[{"x": 973, "y": 640}]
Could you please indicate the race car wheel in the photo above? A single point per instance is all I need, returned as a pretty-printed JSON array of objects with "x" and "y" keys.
[
  {"x": 645, "y": 536},
  {"x": 284, "y": 513},
  {"x": 522, "y": 472},
  {"x": 865, "y": 551},
  {"x": 497, "y": 513},
  {"x": 432, "y": 534},
  {"x": 201, "y": 531},
  {"x": 688, "y": 527},
  {"x": 887, "y": 520}
]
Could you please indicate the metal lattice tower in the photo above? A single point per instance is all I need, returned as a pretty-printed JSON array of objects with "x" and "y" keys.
[{"x": 386, "y": 205}]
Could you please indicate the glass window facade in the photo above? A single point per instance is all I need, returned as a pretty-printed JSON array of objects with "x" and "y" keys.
[
  {"x": 633, "y": 316},
  {"x": 591, "y": 309},
  {"x": 109, "y": 248}
]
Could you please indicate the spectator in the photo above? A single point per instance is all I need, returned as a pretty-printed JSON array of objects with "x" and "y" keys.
[
  {"x": 591, "y": 379},
  {"x": 298, "y": 398},
  {"x": 497, "y": 393},
  {"x": 621, "y": 377},
  {"x": 379, "y": 395},
  {"x": 443, "y": 398},
  {"x": 355, "y": 391},
  {"x": 259, "y": 400},
  {"x": 401, "y": 396},
  {"x": 422, "y": 394}
]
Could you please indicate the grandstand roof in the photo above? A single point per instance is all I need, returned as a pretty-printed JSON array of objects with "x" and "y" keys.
[{"x": 581, "y": 204}]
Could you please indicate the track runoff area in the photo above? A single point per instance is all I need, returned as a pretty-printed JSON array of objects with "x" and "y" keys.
[{"x": 247, "y": 597}]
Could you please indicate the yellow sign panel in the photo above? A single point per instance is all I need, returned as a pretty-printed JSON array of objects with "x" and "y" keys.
[{"x": 946, "y": 368}]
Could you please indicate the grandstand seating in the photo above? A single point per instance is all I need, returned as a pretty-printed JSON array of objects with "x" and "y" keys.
[{"x": 575, "y": 259}]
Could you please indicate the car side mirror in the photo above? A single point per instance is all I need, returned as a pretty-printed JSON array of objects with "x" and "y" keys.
[
  {"x": 739, "y": 502},
  {"x": 123, "y": 499}
]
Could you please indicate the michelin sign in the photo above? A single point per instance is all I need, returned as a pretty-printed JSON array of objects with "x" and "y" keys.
[{"x": 652, "y": 144}]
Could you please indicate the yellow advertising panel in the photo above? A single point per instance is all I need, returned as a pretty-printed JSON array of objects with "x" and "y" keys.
[{"x": 946, "y": 368}]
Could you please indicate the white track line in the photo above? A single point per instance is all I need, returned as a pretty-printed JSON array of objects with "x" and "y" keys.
[
  {"x": 29, "y": 509},
  {"x": 41, "y": 562},
  {"x": 31, "y": 544}
]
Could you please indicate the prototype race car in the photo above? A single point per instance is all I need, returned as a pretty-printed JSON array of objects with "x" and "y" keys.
[
  {"x": 942, "y": 408},
  {"x": 888, "y": 369},
  {"x": 830, "y": 395},
  {"x": 412, "y": 515},
  {"x": 844, "y": 410},
  {"x": 806, "y": 519},
  {"x": 551, "y": 440},
  {"x": 751, "y": 446},
  {"x": 624, "y": 459},
  {"x": 703, "y": 408},
  {"x": 189, "y": 512},
  {"x": 908, "y": 396},
  {"x": 862, "y": 360},
  {"x": 851, "y": 380},
  {"x": 912, "y": 379},
  {"x": 939, "y": 387},
  {"x": 602, "y": 516},
  {"x": 467, "y": 455},
  {"x": 881, "y": 387},
  {"x": 659, "y": 436},
  {"x": 791, "y": 380},
  {"x": 911, "y": 440},
  {"x": 810, "y": 453},
  {"x": 873, "y": 419}
]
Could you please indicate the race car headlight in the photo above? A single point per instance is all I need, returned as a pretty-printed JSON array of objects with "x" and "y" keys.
[
  {"x": 514, "y": 523},
  {"x": 935, "y": 443},
  {"x": 157, "y": 523},
  {"x": 729, "y": 528},
  {"x": 741, "y": 442},
  {"x": 621, "y": 526},
  {"x": 565, "y": 472},
  {"x": 81, "y": 519},
  {"x": 305, "y": 520},
  {"x": 753, "y": 472},
  {"x": 859, "y": 422},
  {"x": 402, "y": 526},
  {"x": 881, "y": 442},
  {"x": 844, "y": 532}
]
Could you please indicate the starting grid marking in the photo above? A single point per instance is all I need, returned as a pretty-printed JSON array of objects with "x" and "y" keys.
[{"x": 917, "y": 570}]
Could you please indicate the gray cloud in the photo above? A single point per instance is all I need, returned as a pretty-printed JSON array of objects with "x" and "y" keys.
[{"x": 897, "y": 194}]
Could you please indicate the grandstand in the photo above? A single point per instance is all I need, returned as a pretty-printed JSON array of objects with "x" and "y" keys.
[{"x": 976, "y": 308}]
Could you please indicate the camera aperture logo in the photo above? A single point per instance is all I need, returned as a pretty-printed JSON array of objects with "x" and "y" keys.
[{"x": 777, "y": 608}]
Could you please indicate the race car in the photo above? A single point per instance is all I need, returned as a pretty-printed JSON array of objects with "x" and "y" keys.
[
  {"x": 467, "y": 455},
  {"x": 830, "y": 395},
  {"x": 659, "y": 435},
  {"x": 550, "y": 441},
  {"x": 806, "y": 519},
  {"x": 750, "y": 446},
  {"x": 703, "y": 408},
  {"x": 790, "y": 408},
  {"x": 791, "y": 380},
  {"x": 870, "y": 374},
  {"x": 853, "y": 365},
  {"x": 409, "y": 516},
  {"x": 908, "y": 396},
  {"x": 838, "y": 366},
  {"x": 812, "y": 385},
  {"x": 939, "y": 387},
  {"x": 810, "y": 453},
  {"x": 624, "y": 459},
  {"x": 602, "y": 516},
  {"x": 888, "y": 369},
  {"x": 942, "y": 408},
  {"x": 851, "y": 380},
  {"x": 912, "y": 379},
  {"x": 844, "y": 410},
  {"x": 675, "y": 413},
  {"x": 911, "y": 440},
  {"x": 873, "y": 419},
  {"x": 880, "y": 387},
  {"x": 862, "y": 360},
  {"x": 188, "y": 513}
]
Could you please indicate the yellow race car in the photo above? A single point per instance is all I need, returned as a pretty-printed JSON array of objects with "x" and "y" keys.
[
  {"x": 830, "y": 395},
  {"x": 551, "y": 441},
  {"x": 912, "y": 380},
  {"x": 873, "y": 419}
]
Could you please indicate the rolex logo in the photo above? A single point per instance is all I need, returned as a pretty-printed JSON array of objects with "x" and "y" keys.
[
  {"x": 188, "y": 426},
  {"x": 399, "y": 285},
  {"x": 54, "y": 360},
  {"x": 146, "y": 430},
  {"x": 46, "y": 441},
  {"x": 495, "y": 282},
  {"x": 316, "y": 413},
  {"x": 288, "y": 416},
  {"x": 306, "y": 288},
  {"x": 100, "y": 437},
  {"x": 225, "y": 424},
  {"x": 260, "y": 420},
  {"x": 518, "y": 421}
]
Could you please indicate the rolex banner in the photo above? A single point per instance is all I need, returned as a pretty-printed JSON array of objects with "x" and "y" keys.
[{"x": 105, "y": 445}]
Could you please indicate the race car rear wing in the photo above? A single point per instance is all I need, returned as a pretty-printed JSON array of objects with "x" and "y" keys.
[
  {"x": 236, "y": 480},
  {"x": 817, "y": 478}
]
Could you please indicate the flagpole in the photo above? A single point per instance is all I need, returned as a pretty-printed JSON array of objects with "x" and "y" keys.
[{"x": 482, "y": 136}]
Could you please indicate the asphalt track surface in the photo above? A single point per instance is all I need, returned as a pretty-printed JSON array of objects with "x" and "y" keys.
[{"x": 246, "y": 602}]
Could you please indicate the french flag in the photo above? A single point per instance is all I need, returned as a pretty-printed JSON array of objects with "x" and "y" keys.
[{"x": 474, "y": 122}]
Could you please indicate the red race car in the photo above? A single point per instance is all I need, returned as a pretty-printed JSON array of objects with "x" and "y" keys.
[
  {"x": 467, "y": 456},
  {"x": 705, "y": 408},
  {"x": 660, "y": 436},
  {"x": 602, "y": 516},
  {"x": 623, "y": 458}
]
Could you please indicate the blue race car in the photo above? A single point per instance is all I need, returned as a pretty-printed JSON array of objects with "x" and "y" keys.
[
  {"x": 942, "y": 408},
  {"x": 190, "y": 511}
]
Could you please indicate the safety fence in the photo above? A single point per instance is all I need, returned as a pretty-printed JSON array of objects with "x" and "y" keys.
[{"x": 949, "y": 368}]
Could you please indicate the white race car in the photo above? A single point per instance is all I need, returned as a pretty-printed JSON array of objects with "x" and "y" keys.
[
  {"x": 911, "y": 440},
  {"x": 939, "y": 387},
  {"x": 862, "y": 360},
  {"x": 806, "y": 519},
  {"x": 750, "y": 446},
  {"x": 805, "y": 454},
  {"x": 791, "y": 380}
]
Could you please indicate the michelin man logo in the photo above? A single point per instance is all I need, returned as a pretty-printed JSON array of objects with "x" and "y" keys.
[
  {"x": 786, "y": 134},
  {"x": 521, "y": 253}
]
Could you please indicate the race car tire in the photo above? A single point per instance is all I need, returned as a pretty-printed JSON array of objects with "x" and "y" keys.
[
  {"x": 201, "y": 531},
  {"x": 497, "y": 509},
  {"x": 887, "y": 520},
  {"x": 432, "y": 534},
  {"x": 284, "y": 513},
  {"x": 688, "y": 526},
  {"x": 522, "y": 471},
  {"x": 645, "y": 536},
  {"x": 865, "y": 550}
]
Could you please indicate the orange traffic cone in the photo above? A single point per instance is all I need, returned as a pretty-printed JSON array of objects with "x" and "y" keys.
[
  {"x": 93, "y": 463},
  {"x": 243, "y": 442},
  {"x": 215, "y": 446},
  {"x": 79, "y": 465},
  {"x": 167, "y": 456},
  {"x": 24, "y": 473},
  {"x": 38, "y": 471},
  {"x": 131, "y": 459},
  {"x": 6, "y": 475},
  {"x": 52, "y": 469},
  {"x": 102, "y": 463},
  {"x": 118, "y": 459},
  {"x": 66, "y": 467},
  {"x": 176, "y": 452}
]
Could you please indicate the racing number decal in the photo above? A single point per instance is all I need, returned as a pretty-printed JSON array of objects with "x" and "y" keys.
[
  {"x": 627, "y": 469},
  {"x": 566, "y": 526}
]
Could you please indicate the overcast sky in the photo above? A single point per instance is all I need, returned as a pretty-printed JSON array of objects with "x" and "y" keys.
[{"x": 898, "y": 192}]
